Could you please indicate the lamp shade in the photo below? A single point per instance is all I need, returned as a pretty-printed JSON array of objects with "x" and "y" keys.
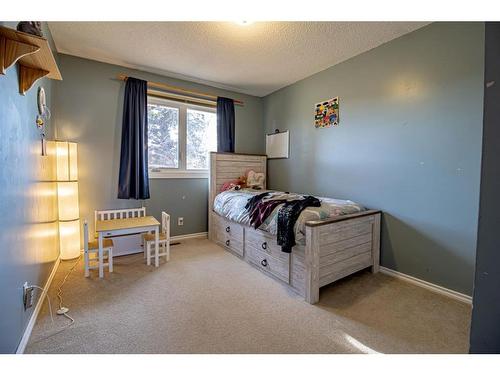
[
  {"x": 67, "y": 196},
  {"x": 67, "y": 161},
  {"x": 73, "y": 161},
  {"x": 62, "y": 157},
  {"x": 67, "y": 193},
  {"x": 69, "y": 239}
]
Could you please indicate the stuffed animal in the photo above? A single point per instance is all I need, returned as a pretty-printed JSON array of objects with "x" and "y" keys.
[
  {"x": 237, "y": 184},
  {"x": 255, "y": 180}
]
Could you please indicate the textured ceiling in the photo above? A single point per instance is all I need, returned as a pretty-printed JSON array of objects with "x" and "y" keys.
[{"x": 256, "y": 59}]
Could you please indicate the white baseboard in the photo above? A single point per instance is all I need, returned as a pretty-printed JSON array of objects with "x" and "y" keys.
[
  {"x": 189, "y": 236},
  {"x": 427, "y": 285},
  {"x": 29, "y": 328}
]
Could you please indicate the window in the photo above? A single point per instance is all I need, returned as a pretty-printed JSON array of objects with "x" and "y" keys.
[
  {"x": 201, "y": 138},
  {"x": 180, "y": 137},
  {"x": 163, "y": 136}
]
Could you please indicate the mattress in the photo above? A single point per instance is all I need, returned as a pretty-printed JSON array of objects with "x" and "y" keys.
[{"x": 231, "y": 205}]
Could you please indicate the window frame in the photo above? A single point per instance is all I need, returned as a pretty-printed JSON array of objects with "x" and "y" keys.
[{"x": 181, "y": 171}]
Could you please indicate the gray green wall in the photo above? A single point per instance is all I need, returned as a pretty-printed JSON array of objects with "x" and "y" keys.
[
  {"x": 24, "y": 255},
  {"x": 409, "y": 143},
  {"x": 89, "y": 111}
]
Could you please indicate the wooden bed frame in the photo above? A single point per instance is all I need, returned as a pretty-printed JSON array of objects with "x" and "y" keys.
[{"x": 334, "y": 248}]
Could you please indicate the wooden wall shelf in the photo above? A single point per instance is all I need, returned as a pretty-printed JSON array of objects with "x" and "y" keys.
[{"x": 31, "y": 52}]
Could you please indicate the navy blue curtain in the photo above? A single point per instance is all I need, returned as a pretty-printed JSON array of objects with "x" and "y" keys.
[
  {"x": 225, "y": 125},
  {"x": 133, "y": 180}
]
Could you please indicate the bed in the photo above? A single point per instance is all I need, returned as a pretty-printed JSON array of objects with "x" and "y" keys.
[{"x": 332, "y": 241}]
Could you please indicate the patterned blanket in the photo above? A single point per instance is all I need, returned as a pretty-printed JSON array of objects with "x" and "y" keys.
[{"x": 231, "y": 205}]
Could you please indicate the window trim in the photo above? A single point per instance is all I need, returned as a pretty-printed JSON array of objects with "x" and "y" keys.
[
  {"x": 181, "y": 171},
  {"x": 174, "y": 173}
]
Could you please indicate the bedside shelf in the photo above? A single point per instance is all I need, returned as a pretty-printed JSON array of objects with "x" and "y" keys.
[{"x": 33, "y": 54}]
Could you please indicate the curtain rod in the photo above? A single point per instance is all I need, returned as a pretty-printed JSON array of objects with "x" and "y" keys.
[{"x": 164, "y": 86}]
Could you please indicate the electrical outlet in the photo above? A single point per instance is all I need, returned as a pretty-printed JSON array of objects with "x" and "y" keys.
[
  {"x": 180, "y": 221},
  {"x": 27, "y": 296}
]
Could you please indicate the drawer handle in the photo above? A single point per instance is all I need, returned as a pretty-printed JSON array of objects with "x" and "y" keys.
[
  {"x": 228, "y": 229},
  {"x": 227, "y": 242},
  {"x": 264, "y": 262},
  {"x": 264, "y": 245}
]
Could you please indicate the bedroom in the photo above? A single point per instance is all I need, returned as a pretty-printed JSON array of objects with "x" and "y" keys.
[{"x": 149, "y": 187}]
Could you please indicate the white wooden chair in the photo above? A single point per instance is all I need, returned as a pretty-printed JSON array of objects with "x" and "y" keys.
[
  {"x": 164, "y": 240},
  {"x": 92, "y": 247}
]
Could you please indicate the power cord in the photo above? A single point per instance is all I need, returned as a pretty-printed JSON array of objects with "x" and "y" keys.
[{"x": 64, "y": 310}]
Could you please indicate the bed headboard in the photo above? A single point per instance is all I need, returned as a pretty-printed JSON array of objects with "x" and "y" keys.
[{"x": 225, "y": 166}]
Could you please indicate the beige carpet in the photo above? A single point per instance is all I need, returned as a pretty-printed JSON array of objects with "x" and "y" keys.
[{"x": 206, "y": 300}]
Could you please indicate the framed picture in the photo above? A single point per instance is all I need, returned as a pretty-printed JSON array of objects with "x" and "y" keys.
[
  {"x": 327, "y": 113},
  {"x": 278, "y": 145}
]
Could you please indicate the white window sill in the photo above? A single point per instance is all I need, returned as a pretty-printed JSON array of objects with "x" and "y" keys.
[{"x": 178, "y": 174}]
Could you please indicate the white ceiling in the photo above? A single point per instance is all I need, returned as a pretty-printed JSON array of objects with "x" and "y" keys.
[{"x": 256, "y": 59}]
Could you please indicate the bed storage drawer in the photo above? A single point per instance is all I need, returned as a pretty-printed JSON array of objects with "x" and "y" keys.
[
  {"x": 265, "y": 243},
  {"x": 277, "y": 267},
  {"x": 232, "y": 244},
  {"x": 229, "y": 229},
  {"x": 228, "y": 234}
]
